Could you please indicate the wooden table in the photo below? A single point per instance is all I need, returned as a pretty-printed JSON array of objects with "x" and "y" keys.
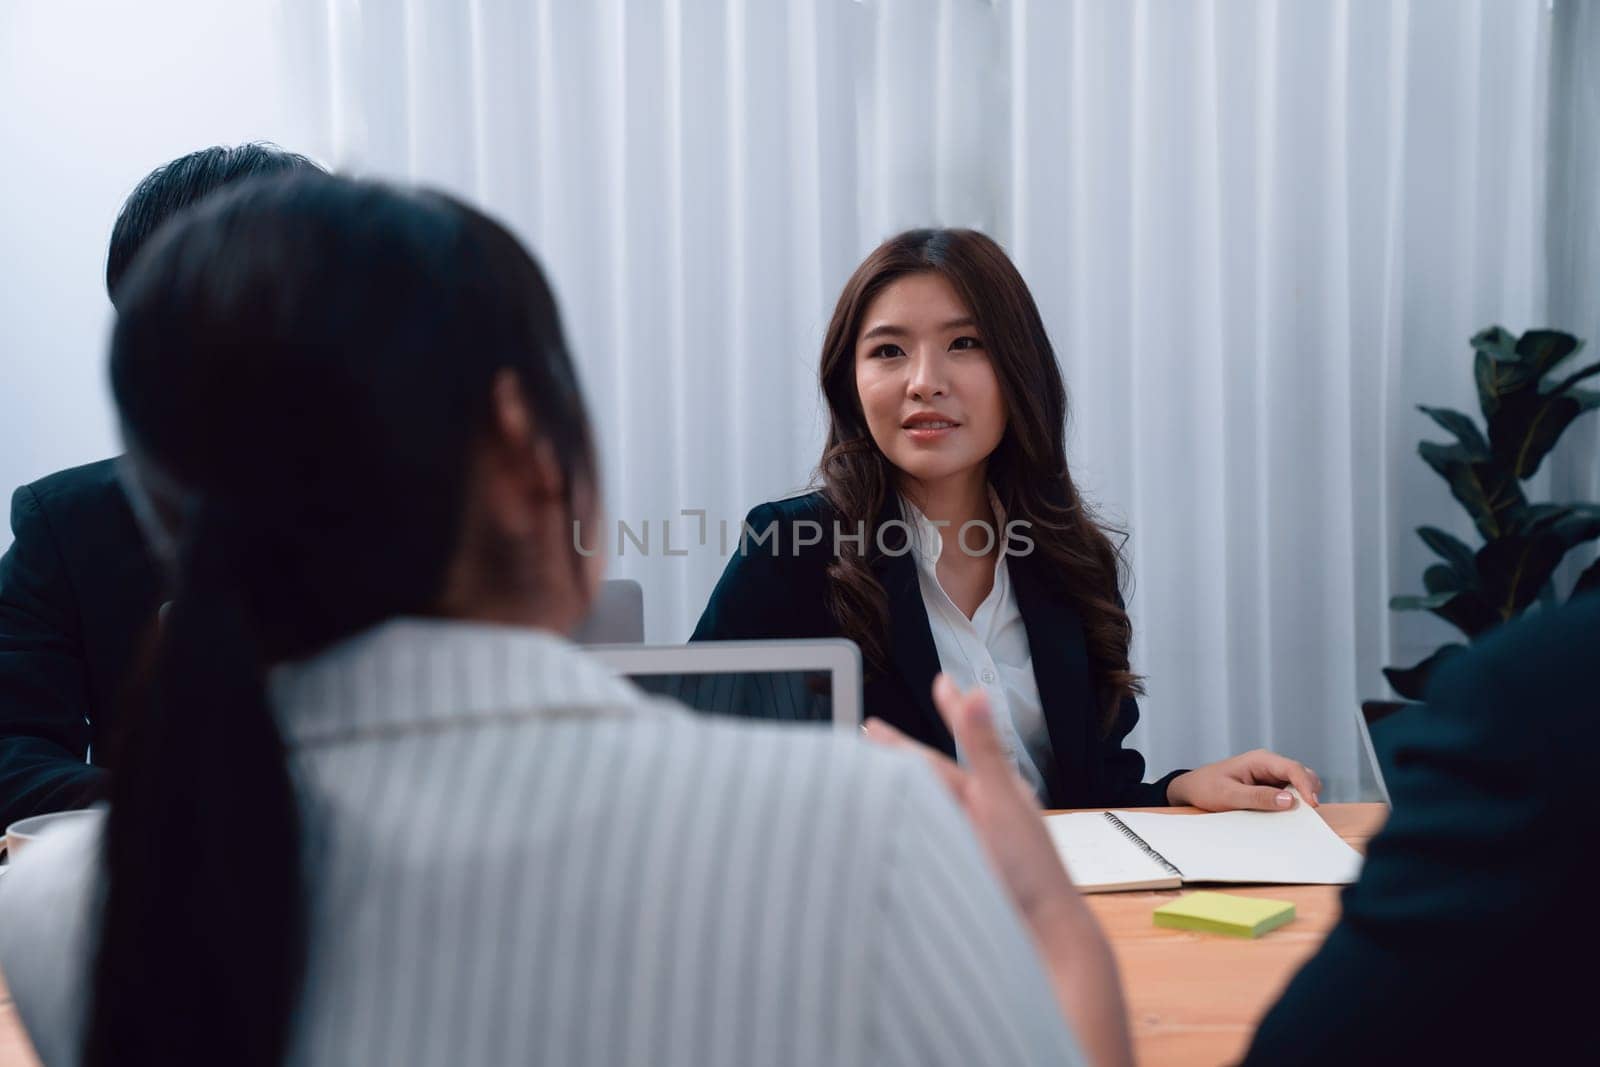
[{"x": 1193, "y": 999}]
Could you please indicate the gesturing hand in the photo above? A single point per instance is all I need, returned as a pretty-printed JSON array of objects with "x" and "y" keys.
[
  {"x": 1253, "y": 781},
  {"x": 998, "y": 802},
  {"x": 1006, "y": 817}
]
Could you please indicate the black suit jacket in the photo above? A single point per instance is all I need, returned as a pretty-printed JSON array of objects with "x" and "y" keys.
[
  {"x": 1469, "y": 937},
  {"x": 78, "y": 595},
  {"x": 783, "y": 594}
]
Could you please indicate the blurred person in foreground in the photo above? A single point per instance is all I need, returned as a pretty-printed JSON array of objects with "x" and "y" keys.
[
  {"x": 1466, "y": 939},
  {"x": 1449, "y": 949},
  {"x": 440, "y": 832},
  {"x": 79, "y": 590}
]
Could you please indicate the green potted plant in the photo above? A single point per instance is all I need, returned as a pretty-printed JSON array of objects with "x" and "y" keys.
[{"x": 1526, "y": 410}]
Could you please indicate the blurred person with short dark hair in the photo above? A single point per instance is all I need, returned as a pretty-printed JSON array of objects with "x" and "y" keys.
[{"x": 78, "y": 589}]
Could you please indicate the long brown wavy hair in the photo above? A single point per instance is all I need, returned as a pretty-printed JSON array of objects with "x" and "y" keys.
[{"x": 1028, "y": 469}]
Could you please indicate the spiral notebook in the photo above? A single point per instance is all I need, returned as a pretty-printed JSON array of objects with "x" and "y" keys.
[{"x": 1106, "y": 851}]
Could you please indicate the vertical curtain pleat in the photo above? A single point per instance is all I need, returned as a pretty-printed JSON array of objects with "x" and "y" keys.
[
  {"x": 1259, "y": 234},
  {"x": 1200, "y": 329},
  {"x": 543, "y": 180},
  {"x": 626, "y": 229},
  {"x": 1571, "y": 244},
  {"x": 741, "y": 365},
  {"x": 679, "y": 370},
  {"x": 1374, "y": 97}
]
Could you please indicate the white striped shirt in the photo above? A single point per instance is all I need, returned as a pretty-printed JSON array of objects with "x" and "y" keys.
[{"x": 516, "y": 857}]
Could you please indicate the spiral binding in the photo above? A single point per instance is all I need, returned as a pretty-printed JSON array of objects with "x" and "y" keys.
[{"x": 1144, "y": 846}]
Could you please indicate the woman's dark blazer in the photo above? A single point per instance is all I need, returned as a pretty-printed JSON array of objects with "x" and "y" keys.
[{"x": 774, "y": 589}]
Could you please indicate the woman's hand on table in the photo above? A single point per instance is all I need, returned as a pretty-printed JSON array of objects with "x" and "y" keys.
[
  {"x": 1006, "y": 816},
  {"x": 1254, "y": 781}
]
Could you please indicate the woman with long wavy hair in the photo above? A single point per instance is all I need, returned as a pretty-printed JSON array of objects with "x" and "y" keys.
[{"x": 948, "y": 535}]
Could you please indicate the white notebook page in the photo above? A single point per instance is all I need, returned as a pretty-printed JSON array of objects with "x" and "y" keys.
[
  {"x": 1291, "y": 847},
  {"x": 1099, "y": 857}
]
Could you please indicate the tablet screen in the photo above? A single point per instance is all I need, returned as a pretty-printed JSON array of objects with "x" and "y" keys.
[{"x": 785, "y": 696}]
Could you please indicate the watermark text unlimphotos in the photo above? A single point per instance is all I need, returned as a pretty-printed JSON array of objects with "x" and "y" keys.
[{"x": 975, "y": 537}]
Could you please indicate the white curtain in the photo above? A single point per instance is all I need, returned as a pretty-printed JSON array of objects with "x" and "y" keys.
[
  {"x": 1572, "y": 226},
  {"x": 92, "y": 96},
  {"x": 1260, "y": 234}
]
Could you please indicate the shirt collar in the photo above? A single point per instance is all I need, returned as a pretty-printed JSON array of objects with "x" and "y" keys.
[
  {"x": 925, "y": 539},
  {"x": 410, "y": 672}
]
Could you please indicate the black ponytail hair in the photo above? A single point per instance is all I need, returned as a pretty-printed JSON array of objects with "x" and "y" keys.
[{"x": 310, "y": 360}]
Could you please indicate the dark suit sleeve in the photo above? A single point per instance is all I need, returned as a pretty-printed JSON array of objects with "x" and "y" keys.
[
  {"x": 44, "y": 737},
  {"x": 1441, "y": 940},
  {"x": 1117, "y": 772},
  {"x": 748, "y": 601}
]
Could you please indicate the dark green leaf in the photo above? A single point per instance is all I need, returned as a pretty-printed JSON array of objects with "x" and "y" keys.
[
  {"x": 1497, "y": 380},
  {"x": 1570, "y": 380},
  {"x": 1465, "y": 430},
  {"x": 1442, "y": 578},
  {"x": 1418, "y": 603},
  {"x": 1581, "y": 510},
  {"x": 1488, "y": 490},
  {"x": 1497, "y": 342},
  {"x": 1467, "y": 611},
  {"x": 1527, "y": 426},
  {"x": 1412, "y": 682},
  {"x": 1589, "y": 580},
  {"x": 1513, "y": 569},
  {"x": 1542, "y": 350},
  {"x": 1581, "y": 524},
  {"x": 1587, "y": 399},
  {"x": 1537, "y": 517},
  {"x": 1453, "y": 551}
]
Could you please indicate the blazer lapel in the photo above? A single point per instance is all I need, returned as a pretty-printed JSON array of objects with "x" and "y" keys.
[
  {"x": 916, "y": 660},
  {"x": 911, "y": 645},
  {"x": 1060, "y": 665}
]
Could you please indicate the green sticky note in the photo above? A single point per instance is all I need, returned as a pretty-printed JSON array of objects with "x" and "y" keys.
[{"x": 1224, "y": 913}]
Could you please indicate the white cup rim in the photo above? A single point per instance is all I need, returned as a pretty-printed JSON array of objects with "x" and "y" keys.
[
  {"x": 25, "y": 830},
  {"x": 33, "y": 823}
]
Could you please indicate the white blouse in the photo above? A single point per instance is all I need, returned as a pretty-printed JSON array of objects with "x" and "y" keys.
[{"x": 988, "y": 650}]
